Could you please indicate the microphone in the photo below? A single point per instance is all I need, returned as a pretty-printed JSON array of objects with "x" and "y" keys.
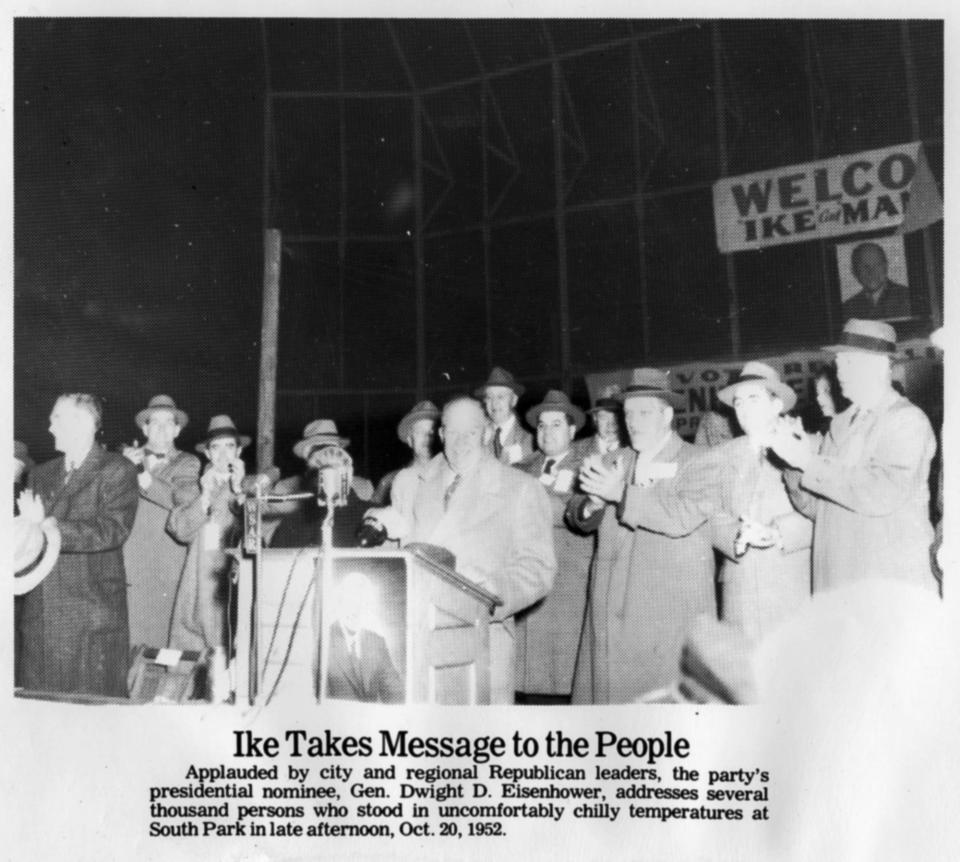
[{"x": 261, "y": 481}]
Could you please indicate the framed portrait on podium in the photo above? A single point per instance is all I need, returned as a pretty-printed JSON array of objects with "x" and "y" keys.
[{"x": 365, "y": 653}]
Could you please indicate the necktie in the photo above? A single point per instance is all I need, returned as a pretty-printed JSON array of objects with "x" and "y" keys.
[
  {"x": 450, "y": 490},
  {"x": 548, "y": 467},
  {"x": 497, "y": 444}
]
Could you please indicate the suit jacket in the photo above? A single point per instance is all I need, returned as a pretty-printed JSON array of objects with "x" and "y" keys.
[
  {"x": 764, "y": 585},
  {"x": 894, "y": 302},
  {"x": 72, "y": 632},
  {"x": 498, "y": 526},
  {"x": 646, "y": 590},
  {"x": 548, "y": 633},
  {"x": 868, "y": 494},
  {"x": 371, "y": 678},
  {"x": 517, "y": 446},
  {"x": 153, "y": 557}
]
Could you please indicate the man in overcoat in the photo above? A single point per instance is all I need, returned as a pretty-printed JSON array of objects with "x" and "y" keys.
[
  {"x": 72, "y": 630},
  {"x": 738, "y": 491},
  {"x": 548, "y": 633},
  {"x": 153, "y": 558},
  {"x": 646, "y": 588},
  {"x": 208, "y": 517},
  {"x": 866, "y": 489}
]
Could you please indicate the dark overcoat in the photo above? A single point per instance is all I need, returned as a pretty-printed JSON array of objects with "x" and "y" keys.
[{"x": 72, "y": 633}]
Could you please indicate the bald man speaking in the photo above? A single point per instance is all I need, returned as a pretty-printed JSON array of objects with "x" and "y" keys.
[{"x": 496, "y": 520}]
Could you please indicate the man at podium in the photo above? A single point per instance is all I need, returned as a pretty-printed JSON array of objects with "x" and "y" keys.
[{"x": 496, "y": 521}]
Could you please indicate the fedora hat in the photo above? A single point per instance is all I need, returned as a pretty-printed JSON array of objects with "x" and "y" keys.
[
  {"x": 320, "y": 432},
  {"x": 36, "y": 548},
  {"x": 423, "y": 410},
  {"x": 557, "y": 401},
  {"x": 500, "y": 377},
  {"x": 650, "y": 383},
  {"x": 161, "y": 402},
  {"x": 866, "y": 336},
  {"x": 221, "y": 426},
  {"x": 608, "y": 399},
  {"x": 759, "y": 372}
]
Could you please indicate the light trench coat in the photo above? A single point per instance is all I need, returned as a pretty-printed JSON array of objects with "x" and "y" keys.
[
  {"x": 867, "y": 492},
  {"x": 498, "y": 526},
  {"x": 764, "y": 586},
  {"x": 548, "y": 633},
  {"x": 646, "y": 591}
]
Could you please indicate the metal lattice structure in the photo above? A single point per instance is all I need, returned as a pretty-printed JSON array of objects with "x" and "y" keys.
[{"x": 548, "y": 183}]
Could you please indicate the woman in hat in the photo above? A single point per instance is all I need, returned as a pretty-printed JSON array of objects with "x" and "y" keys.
[
  {"x": 208, "y": 517},
  {"x": 152, "y": 556}
]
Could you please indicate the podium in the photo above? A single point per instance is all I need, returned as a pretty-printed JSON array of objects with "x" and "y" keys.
[{"x": 417, "y": 631}]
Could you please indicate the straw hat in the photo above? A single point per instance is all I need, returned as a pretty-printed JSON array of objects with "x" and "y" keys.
[
  {"x": 759, "y": 372},
  {"x": 161, "y": 402},
  {"x": 320, "y": 432},
  {"x": 651, "y": 383}
]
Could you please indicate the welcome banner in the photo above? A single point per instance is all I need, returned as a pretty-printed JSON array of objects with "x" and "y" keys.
[{"x": 872, "y": 190}]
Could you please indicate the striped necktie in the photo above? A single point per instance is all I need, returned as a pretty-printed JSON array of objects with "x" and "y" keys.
[{"x": 451, "y": 488}]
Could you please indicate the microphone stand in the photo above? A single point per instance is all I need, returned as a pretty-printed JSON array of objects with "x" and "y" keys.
[{"x": 253, "y": 544}]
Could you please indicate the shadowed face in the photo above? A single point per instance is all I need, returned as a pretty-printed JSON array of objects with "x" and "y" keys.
[
  {"x": 499, "y": 402},
  {"x": 869, "y": 265},
  {"x": 608, "y": 424},
  {"x": 161, "y": 429},
  {"x": 554, "y": 432},
  {"x": 421, "y": 437},
  {"x": 222, "y": 451}
]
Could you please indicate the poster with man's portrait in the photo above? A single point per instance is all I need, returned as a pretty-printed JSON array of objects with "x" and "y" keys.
[
  {"x": 873, "y": 279},
  {"x": 363, "y": 651}
]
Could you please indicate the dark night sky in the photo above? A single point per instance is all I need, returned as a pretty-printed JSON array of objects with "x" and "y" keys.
[
  {"x": 138, "y": 148},
  {"x": 137, "y": 217}
]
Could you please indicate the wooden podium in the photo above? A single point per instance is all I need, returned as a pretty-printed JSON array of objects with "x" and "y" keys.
[{"x": 432, "y": 622}]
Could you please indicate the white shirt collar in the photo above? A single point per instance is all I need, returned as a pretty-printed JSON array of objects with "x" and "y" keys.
[
  {"x": 72, "y": 462},
  {"x": 653, "y": 451}
]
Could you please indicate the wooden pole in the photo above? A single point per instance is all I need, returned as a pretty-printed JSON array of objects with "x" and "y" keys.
[
  {"x": 268, "y": 348},
  {"x": 720, "y": 104},
  {"x": 929, "y": 266}
]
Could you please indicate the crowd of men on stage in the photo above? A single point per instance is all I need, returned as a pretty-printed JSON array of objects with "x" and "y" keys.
[{"x": 604, "y": 549}]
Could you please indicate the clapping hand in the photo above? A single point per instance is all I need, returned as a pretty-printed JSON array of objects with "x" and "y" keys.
[
  {"x": 753, "y": 534},
  {"x": 603, "y": 483},
  {"x": 791, "y": 443},
  {"x": 30, "y": 506},
  {"x": 134, "y": 453}
]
